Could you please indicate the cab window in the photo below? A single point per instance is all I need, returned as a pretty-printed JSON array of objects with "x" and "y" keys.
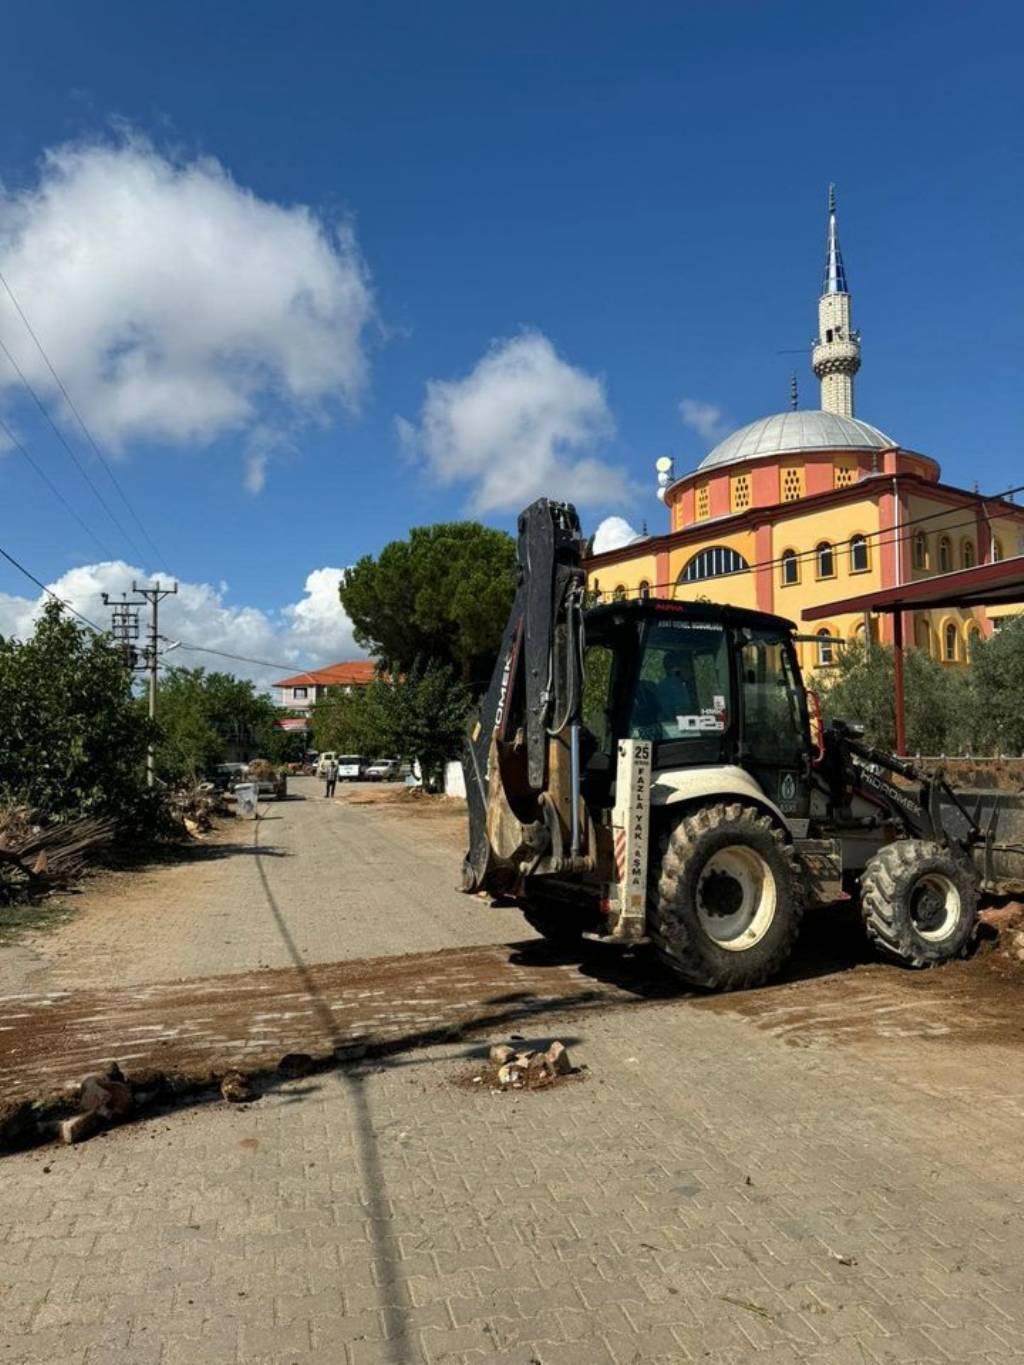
[
  {"x": 773, "y": 724},
  {"x": 682, "y": 690}
]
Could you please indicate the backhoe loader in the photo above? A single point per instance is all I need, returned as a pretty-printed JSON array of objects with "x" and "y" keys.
[{"x": 656, "y": 771}]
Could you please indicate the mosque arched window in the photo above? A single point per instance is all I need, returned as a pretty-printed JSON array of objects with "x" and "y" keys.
[
  {"x": 826, "y": 649},
  {"x": 920, "y": 551},
  {"x": 790, "y": 563},
  {"x": 997, "y": 552},
  {"x": 972, "y": 640},
  {"x": 619, "y": 593},
  {"x": 714, "y": 562},
  {"x": 644, "y": 590},
  {"x": 945, "y": 555},
  {"x": 825, "y": 556},
  {"x": 967, "y": 553},
  {"x": 858, "y": 554},
  {"x": 949, "y": 642}
]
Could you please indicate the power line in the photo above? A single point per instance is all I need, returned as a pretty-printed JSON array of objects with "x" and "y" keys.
[
  {"x": 49, "y": 591},
  {"x": 891, "y": 534},
  {"x": 54, "y": 489},
  {"x": 78, "y": 416},
  {"x": 64, "y": 442}
]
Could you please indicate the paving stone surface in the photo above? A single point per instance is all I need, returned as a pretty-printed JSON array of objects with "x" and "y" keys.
[{"x": 704, "y": 1193}]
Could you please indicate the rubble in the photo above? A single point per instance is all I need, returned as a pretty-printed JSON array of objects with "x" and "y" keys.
[
  {"x": 236, "y": 1089},
  {"x": 529, "y": 1069},
  {"x": 106, "y": 1097},
  {"x": 80, "y": 1126}
]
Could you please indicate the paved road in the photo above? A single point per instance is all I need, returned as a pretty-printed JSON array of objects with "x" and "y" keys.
[
  {"x": 707, "y": 1194},
  {"x": 318, "y": 880},
  {"x": 724, "y": 1183}
]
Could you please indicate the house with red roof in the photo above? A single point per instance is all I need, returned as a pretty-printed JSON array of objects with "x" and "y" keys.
[{"x": 299, "y": 692}]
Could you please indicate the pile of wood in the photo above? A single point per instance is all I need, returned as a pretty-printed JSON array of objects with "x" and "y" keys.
[
  {"x": 195, "y": 808},
  {"x": 46, "y": 856}
]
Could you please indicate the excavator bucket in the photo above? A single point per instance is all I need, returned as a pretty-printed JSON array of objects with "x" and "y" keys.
[{"x": 513, "y": 750}]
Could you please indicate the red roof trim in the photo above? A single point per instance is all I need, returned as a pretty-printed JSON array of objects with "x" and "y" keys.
[{"x": 873, "y": 486}]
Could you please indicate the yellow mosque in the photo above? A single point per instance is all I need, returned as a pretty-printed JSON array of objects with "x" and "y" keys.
[{"x": 807, "y": 507}]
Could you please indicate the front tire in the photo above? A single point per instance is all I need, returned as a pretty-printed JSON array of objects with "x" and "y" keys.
[
  {"x": 919, "y": 905},
  {"x": 724, "y": 913}
]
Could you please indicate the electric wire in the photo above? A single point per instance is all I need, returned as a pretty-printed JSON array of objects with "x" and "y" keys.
[
  {"x": 49, "y": 592},
  {"x": 885, "y": 535},
  {"x": 78, "y": 416},
  {"x": 65, "y": 443},
  {"x": 54, "y": 489}
]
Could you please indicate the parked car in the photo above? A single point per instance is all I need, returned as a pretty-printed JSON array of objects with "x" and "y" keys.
[
  {"x": 384, "y": 770},
  {"x": 352, "y": 767},
  {"x": 226, "y": 776},
  {"x": 327, "y": 757}
]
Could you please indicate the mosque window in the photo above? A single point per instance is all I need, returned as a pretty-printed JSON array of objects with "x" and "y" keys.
[
  {"x": 949, "y": 643},
  {"x": 741, "y": 492},
  {"x": 790, "y": 568},
  {"x": 922, "y": 635},
  {"x": 967, "y": 554},
  {"x": 997, "y": 552},
  {"x": 826, "y": 649},
  {"x": 858, "y": 554},
  {"x": 619, "y": 593},
  {"x": 973, "y": 639},
  {"x": 715, "y": 562},
  {"x": 945, "y": 555},
  {"x": 825, "y": 554},
  {"x": 644, "y": 590},
  {"x": 844, "y": 474},
  {"x": 792, "y": 478},
  {"x": 703, "y": 501},
  {"x": 920, "y": 551}
]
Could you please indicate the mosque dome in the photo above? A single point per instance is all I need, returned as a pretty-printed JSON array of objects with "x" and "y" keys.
[{"x": 800, "y": 431}]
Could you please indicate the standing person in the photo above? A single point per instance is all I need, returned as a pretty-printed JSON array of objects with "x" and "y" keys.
[{"x": 330, "y": 777}]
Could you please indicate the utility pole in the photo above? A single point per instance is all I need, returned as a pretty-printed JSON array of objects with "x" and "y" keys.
[{"x": 125, "y": 626}]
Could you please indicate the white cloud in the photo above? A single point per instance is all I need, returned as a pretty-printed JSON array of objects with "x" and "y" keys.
[
  {"x": 305, "y": 634},
  {"x": 705, "y": 419},
  {"x": 175, "y": 304},
  {"x": 613, "y": 533},
  {"x": 523, "y": 423}
]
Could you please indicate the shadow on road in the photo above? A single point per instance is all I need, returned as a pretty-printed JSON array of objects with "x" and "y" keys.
[{"x": 832, "y": 941}]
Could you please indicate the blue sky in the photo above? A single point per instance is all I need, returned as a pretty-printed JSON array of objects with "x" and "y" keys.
[{"x": 631, "y": 196}]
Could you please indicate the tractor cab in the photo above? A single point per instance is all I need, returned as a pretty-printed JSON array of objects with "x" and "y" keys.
[{"x": 707, "y": 685}]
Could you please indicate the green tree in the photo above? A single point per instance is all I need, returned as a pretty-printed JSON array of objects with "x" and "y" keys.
[
  {"x": 420, "y": 718},
  {"x": 199, "y": 714},
  {"x": 440, "y": 597},
  {"x": 861, "y": 690},
  {"x": 347, "y": 722},
  {"x": 992, "y": 716},
  {"x": 72, "y": 739}
]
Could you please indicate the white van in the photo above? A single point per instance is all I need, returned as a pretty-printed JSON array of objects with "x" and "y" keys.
[
  {"x": 351, "y": 767},
  {"x": 323, "y": 763}
]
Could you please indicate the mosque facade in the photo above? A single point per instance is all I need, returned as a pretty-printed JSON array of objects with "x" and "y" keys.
[{"x": 806, "y": 507}]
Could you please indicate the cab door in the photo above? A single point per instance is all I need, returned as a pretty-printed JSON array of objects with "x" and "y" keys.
[{"x": 774, "y": 730}]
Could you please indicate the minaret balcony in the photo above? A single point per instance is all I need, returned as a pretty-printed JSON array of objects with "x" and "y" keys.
[{"x": 835, "y": 357}]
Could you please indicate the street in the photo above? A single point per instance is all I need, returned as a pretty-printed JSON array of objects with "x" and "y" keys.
[{"x": 825, "y": 1169}]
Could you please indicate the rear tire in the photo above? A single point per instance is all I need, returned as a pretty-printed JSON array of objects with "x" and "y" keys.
[
  {"x": 919, "y": 905},
  {"x": 724, "y": 911}
]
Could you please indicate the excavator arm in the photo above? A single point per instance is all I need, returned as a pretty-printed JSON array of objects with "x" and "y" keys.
[{"x": 522, "y": 754}]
